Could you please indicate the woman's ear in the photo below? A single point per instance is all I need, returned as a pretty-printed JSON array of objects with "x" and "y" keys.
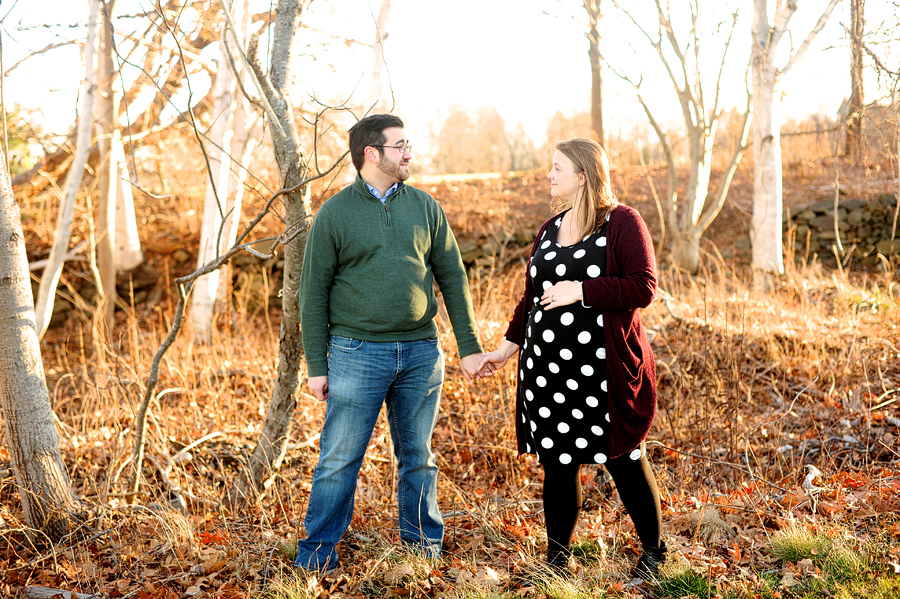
[{"x": 582, "y": 179}]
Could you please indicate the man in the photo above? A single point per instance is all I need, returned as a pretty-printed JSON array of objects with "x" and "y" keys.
[{"x": 367, "y": 310}]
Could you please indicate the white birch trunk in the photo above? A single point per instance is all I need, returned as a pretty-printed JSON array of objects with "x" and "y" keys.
[
  {"x": 50, "y": 277},
  {"x": 376, "y": 87},
  {"x": 247, "y": 131},
  {"x": 47, "y": 500},
  {"x": 107, "y": 136},
  {"x": 765, "y": 224},
  {"x": 128, "y": 246},
  {"x": 216, "y": 205}
]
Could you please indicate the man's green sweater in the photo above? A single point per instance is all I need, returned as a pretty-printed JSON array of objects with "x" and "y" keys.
[{"x": 369, "y": 273}]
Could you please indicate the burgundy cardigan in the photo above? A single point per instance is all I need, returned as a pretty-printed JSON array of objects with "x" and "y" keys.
[{"x": 629, "y": 283}]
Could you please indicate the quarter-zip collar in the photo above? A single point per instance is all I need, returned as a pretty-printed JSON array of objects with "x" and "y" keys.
[{"x": 367, "y": 190}]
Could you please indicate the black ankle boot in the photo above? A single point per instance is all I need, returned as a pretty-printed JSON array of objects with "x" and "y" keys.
[
  {"x": 558, "y": 560},
  {"x": 648, "y": 565}
]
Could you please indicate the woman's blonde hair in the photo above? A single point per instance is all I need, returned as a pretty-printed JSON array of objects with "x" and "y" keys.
[{"x": 590, "y": 208}]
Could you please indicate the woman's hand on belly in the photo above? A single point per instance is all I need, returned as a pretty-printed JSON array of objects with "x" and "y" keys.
[{"x": 562, "y": 294}]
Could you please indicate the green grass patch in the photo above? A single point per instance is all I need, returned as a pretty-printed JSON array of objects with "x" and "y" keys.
[{"x": 686, "y": 583}]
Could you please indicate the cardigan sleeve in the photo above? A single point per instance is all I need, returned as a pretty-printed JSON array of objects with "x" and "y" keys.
[{"x": 631, "y": 279}]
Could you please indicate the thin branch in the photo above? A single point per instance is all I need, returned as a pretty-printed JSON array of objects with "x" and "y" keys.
[
  {"x": 190, "y": 111},
  {"x": 46, "y": 48},
  {"x": 809, "y": 38},
  {"x": 707, "y": 218},
  {"x": 252, "y": 70},
  {"x": 715, "y": 105}
]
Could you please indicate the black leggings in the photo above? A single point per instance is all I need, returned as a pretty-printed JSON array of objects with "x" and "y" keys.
[{"x": 637, "y": 488}]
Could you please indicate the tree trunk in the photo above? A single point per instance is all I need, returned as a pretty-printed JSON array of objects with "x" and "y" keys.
[
  {"x": 128, "y": 245},
  {"x": 247, "y": 130},
  {"x": 765, "y": 224},
  {"x": 593, "y": 9},
  {"x": 215, "y": 206},
  {"x": 685, "y": 249},
  {"x": 269, "y": 452},
  {"x": 856, "y": 104},
  {"x": 106, "y": 217},
  {"x": 47, "y": 500},
  {"x": 374, "y": 103},
  {"x": 50, "y": 277}
]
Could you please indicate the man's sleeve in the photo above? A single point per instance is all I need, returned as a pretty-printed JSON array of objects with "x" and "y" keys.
[
  {"x": 319, "y": 265},
  {"x": 450, "y": 274}
]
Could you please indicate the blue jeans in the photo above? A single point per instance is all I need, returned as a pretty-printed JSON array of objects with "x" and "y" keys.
[{"x": 362, "y": 375}]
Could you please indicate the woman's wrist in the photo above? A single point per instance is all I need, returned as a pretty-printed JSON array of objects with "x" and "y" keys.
[{"x": 507, "y": 348}]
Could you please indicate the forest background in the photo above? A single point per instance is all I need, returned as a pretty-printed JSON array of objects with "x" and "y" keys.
[{"x": 163, "y": 446}]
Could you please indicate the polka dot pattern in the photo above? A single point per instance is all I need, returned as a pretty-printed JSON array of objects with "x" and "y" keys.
[{"x": 564, "y": 373}]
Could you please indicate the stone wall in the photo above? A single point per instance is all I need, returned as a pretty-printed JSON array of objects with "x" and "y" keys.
[{"x": 865, "y": 229}]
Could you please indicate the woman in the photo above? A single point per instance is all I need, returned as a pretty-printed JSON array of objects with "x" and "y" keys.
[{"x": 587, "y": 379}]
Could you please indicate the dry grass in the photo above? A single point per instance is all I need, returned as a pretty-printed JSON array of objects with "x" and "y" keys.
[{"x": 754, "y": 387}]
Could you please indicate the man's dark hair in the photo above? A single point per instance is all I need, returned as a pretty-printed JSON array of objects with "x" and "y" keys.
[{"x": 370, "y": 132}]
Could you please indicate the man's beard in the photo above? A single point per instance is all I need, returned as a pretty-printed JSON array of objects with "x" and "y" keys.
[{"x": 392, "y": 169}]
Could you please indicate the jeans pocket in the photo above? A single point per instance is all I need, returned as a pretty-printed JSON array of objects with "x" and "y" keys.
[{"x": 344, "y": 343}]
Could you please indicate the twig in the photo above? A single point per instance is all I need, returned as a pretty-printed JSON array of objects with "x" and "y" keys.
[{"x": 48, "y": 593}]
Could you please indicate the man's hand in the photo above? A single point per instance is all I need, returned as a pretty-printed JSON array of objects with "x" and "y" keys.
[
  {"x": 470, "y": 366},
  {"x": 319, "y": 386}
]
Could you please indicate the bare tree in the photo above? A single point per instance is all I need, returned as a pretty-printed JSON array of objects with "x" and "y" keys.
[
  {"x": 376, "y": 88},
  {"x": 49, "y": 504},
  {"x": 593, "y": 11},
  {"x": 229, "y": 136},
  {"x": 765, "y": 224},
  {"x": 53, "y": 270},
  {"x": 106, "y": 129},
  {"x": 883, "y": 36},
  {"x": 857, "y": 102},
  {"x": 690, "y": 217},
  {"x": 269, "y": 452}
]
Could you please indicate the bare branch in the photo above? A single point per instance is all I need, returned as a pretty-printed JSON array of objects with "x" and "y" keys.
[
  {"x": 715, "y": 106},
  {"x": 253, "y": 69},
  {"x": 713, "y": 211},
  {"x": 43, "y": 50},
  {"x": 809, "y": 38}
]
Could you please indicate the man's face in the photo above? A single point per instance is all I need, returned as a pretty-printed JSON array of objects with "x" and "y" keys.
[{"x": 395, "y": 163}]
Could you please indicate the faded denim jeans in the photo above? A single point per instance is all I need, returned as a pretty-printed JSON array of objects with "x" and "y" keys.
[{"x": 363, "y": 375}]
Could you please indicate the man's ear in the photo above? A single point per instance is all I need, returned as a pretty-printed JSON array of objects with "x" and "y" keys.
[{"x": 371, "y": 154}]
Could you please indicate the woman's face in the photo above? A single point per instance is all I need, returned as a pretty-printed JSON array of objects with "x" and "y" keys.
[{"x": 565, "y": 182}]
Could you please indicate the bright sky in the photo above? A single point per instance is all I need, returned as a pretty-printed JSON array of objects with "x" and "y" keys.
[{"x": 509, "y": 54}]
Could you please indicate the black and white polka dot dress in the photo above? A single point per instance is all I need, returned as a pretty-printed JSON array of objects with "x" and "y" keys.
[{"x": 562, "y": 366}]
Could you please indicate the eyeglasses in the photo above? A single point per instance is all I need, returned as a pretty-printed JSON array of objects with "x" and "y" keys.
[{"x": 407, "y": 147}]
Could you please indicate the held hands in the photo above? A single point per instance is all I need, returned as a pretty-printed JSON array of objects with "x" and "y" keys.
[
  {"x": 493, "y": 361},
  {"x": 474, "y": 367},
  {"x": 562, "y": 294},
  {"x": 470, "y": 366}
]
